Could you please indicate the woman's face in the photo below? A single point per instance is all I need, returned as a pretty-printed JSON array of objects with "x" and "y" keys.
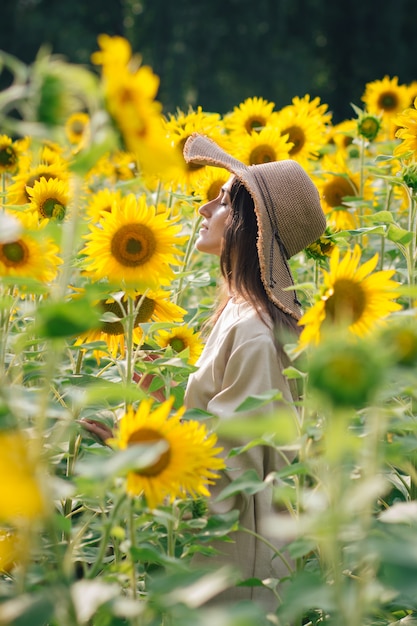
[{"x": 214, "y": 213}]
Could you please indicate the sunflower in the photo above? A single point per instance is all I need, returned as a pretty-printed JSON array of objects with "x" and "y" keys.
[
  {"x": 262, "y": 147},
  {"x": 111, "y": 168},
  {"x": 208, "y": 186},
  {"x": 352, "y": 297},
  {"x": 133, "y": 245},
  {"x": 130, "y": 90},
  {"x": 114, "y": 52},
  {"x": 386, "y": 98},
  {"x": 17, "y": 192},
  {"x": 77, "y": 130},
  {"x": 180, "y": 126},
  {"x": 179, "y": 339},
  {"x": 412, "y": 93},
  {"x": 102, "y": 202},
  {"x": 304, "y": 123},
  {"x": 407, "y": 132},
  {"x": 187, "y": 466},
  {"x": 153, "y": 307},
  {"x": 335, "y": 183},
  {"x": 10, "y": 153},
  {"x": 30, "y": 254},
  {"x": 21, "y": 496},
  {"x": 252, "y": 114},
  {"x": 342, "y": 135},
  {"x": 49, "y": 198}
]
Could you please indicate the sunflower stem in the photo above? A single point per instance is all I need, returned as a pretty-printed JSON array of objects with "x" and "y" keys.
[
  {"x": 171, "y": 533},
  {"x": 132, "y": 537},
  {"x": 130, "y": 322},
  {"x": 187, "y": 257},
  {"x": 98, "y": 563}
]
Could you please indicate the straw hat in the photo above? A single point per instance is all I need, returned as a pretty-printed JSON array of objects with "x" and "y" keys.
[{"x": 287, "y": 208}]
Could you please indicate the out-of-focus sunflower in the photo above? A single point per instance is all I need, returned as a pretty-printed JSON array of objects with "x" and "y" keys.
[
  {"x": 133, "y": 246},
  {"x": 77, "y": 130},
  {"x": 352, "y": 297},
  {"x": 262, "y": 147},
  {"x": 181, "y": 338},
  {"x": 155, "y": 306},
  {"x": 412, "y": 93},
  {"x": 49, "y": 198},
  {"x": 21, "y": 495},
  {"x": 342, "y": 136},
  {"x": 10, "y": 153},
  {"x": 112, "y": 168},
  {"x": 130, "y": 90},
  {"x": 187, "y": 466},
  {"x": 17, "y": 192},
  {"x": 32, "y": 254},
  {"x": 304, "y": 122},
  {"x": 252, "y": 114},
  {"x": 114, "y": 52}
]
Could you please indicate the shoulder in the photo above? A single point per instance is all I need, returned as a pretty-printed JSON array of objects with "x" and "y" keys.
[{"x": 243, "y": 323}]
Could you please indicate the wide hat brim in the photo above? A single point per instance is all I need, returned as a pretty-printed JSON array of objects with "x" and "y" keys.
[{"x": 287, "y": 208}]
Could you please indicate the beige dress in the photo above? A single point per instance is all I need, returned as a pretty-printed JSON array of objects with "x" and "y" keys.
[{"x": 240, "y": 359}]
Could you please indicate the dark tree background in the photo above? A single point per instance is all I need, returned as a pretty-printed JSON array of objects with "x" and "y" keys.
[{"x": 216, "y": 53}]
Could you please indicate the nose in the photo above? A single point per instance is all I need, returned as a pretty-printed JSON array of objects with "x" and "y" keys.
[{"x": 205, "y": 209}]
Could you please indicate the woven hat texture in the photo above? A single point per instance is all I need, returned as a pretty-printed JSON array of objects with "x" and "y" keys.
[{"x": 288, "y": 212}]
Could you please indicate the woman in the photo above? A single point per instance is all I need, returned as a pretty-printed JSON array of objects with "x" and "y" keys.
[{"x": 264, "y": 215}]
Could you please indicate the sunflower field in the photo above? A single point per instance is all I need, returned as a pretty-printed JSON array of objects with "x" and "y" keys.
[{"x": 103, "y": 308}]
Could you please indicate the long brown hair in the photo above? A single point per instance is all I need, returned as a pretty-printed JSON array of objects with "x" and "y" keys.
[{"x": 239, "y": 262}]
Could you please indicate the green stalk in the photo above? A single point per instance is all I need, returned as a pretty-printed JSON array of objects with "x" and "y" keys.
[
  {"x": 132, "y": 535},
  {"x": 98, "y": 563},
  {"x": 129, "y": 327},
  {"x": 187, "y": 257}
]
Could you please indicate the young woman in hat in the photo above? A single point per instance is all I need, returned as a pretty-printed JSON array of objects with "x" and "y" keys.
[{"x": 263, "y": 215}]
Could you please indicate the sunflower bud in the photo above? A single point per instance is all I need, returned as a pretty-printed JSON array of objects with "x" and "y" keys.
[
  {"x": 322, "y": 248},
  {"x": 401, "y": 343},
  {"x": 409, "y": 175},
  {"x": 368, "y": 126},
  {"x": 345, "y": 373}
]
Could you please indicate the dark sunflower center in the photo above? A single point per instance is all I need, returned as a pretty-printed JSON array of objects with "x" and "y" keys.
[
  {"x": 149, "y": 435},
  {"x": 262, "y": 154},
  {"x": 191, "y": 167},
  {"x": 177, "y": 344},
  {"x": 8, "y": 157},
  {"x": 33, "y": 179},
  {"x": 214, "y": 190},
  {"x": 77, "y": 128},
  {"x": 336, "y": 189},
  {"x": 52, "y": 208},
  {"x": 297, "y": 137},
  {"x": 254, "y": 123},
  {"x": 133, "y": 245},
  {"x": 388, "y": 101},
  {"x": 13, "y": 254},
  {"x": 144, "y": 314},
  {"x": 347, "y": 303}
]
